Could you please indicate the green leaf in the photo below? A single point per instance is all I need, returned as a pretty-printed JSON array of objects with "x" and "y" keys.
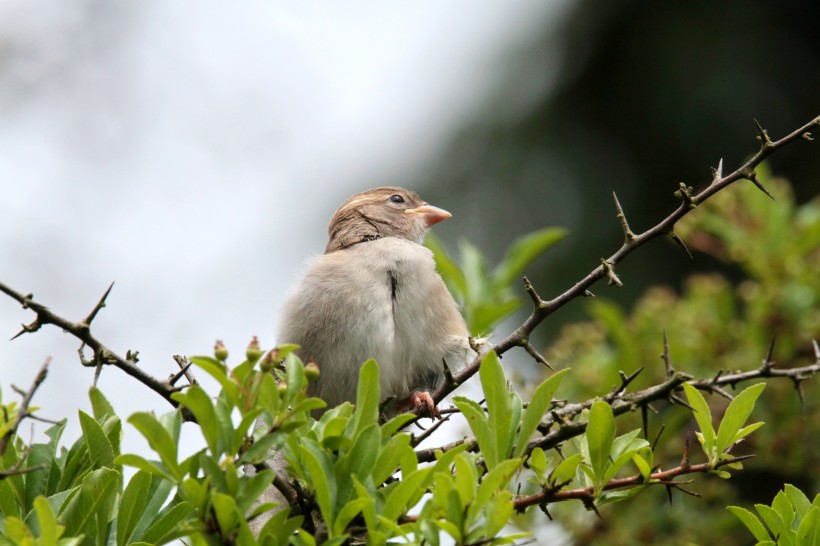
[
  {"x": 227, "y": 515},
  {"x": 808, "y": 532},
  {"x": 541, "y": 399},
  {"x": 600, "y": 435},
  {"x": 322, "y": 479},
  {"x": 565, "y": 471},
  {"x": 166, "y": 525},
  {"x": 643, "y": 459},
  {"x": 50, "y": 531},
  {"x": 367, "y": 399},
  {"x": 399, "y": 498},
  {"x": 465, "y": 478},
  {"x": 94, "y": 500},
  {"x": 448, "y": 269},
  {"x": 538, "y": 461},
  {"x": 159, "y": 439},
  {"x": 137, "y": 461},
  {"x": 499, "y": 407},
  {"x": 784, "y": 508},
  {"x": 99, "y": 448},
  {"x": 703, "y": 416},
  {"x": 736, "y": 415},
  {"x": 347, "y": 513},
  {"x": 390, "y": 457},
  {"x": 218, "y": 371},
  {"x": 359, "y": 460},
  {"x": 99, "y": 404},
  {"x": 197, "y": 400},
  {"x": 480, "y": 427},
  {"x": 771, "y": 518},
  {"x": 750, "y": 521},
  {"x": 524, "y": 251},
  {"x": 496, "y": 480},
  {"x": 483, "y": 316},
  {"x": 475, "y": 272},
  {"x": 132, "y": 506},
  {"x": 498, "y": 513},
  {"x": 798, "y": 500}
]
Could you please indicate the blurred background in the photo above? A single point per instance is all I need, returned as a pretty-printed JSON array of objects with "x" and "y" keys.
[{"x": 194, "y": 152}]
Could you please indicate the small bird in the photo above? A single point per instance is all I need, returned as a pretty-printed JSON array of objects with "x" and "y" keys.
[{"x": 375, "y": 293}]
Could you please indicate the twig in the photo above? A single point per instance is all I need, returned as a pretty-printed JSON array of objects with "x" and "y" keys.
[
  {"x": 557, "y": 426},
  {"x": 102, "y": 355},
  {"x": 661, "y": 477},
  {"x": 542, "y": 309},
  {"x": 23, "y": 412}
]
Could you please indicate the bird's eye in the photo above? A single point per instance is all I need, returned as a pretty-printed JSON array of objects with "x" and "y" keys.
[{"x": 397, "y": 198}]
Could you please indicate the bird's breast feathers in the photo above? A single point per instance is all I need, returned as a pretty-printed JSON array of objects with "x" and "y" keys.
[{"x": 380, "y": 299}]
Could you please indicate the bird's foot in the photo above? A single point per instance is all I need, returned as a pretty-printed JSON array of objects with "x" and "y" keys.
[{"x": 421, "y": 403}]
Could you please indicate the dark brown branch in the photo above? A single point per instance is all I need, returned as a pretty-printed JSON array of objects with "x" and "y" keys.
[
  {"x": 542, "y": 309},
  {"x": 557, "y": 426},
  {"x": 661, "y": 477},
  {"x": 23, "y": 412},
  {"x": 102, "y": 355}
]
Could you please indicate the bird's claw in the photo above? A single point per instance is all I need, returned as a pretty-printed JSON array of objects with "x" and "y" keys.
[{"x": 421, "y": 403}]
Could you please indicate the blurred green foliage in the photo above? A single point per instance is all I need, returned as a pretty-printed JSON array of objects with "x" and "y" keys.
[
  {"x": 488, "y": 297},
  {"x": 768, "y": 288}
]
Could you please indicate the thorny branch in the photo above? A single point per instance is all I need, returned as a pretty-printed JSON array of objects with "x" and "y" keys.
[
  {"x": 23, "y": 412},
  {"x": 660, "y": 477},
  {"x": 689, "y": 200},
  {"x": 558, "y": 425},
  {"x": 620, "y": 400},
  {"x": 102, "y": 355}
]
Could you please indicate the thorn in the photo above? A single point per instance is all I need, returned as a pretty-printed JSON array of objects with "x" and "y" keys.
[
  {"x": 588, "y": 294},
  {"x": 100, "y": 305},
  {"x": 816, "y": 349},
  {"x": 678, "y": 400},
  {"x": 717, "y": 173},
  {"x": 658, "y": 437},
  {"x": 536, "y": 299},
  {"x": 609, "y": 270},
  {"x": 670, "y": 371},
  {"x": 536, "y": 355},
  {"x": 177, "y": 376},
  {"x": 669, "y": 493},
  {"x": 628, "y": 235},
  {"x": 768, "y": 362},
  {"x": 684, "y": 460},
  {"x": 27, "y": 329},
  {"x": 752, "y": 177},
  {"x": 645, "y": 422},
  {"x": 685, "y": 490},
  {"x": 681, "y": 244},
  {"x": 807, "y": 136},
  {"x": 798, "y": 386},
  {"x": 763, "y": 135}
]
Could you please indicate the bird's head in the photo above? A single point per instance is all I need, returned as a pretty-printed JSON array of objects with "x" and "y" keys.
[{"x": 382, "y": 212}]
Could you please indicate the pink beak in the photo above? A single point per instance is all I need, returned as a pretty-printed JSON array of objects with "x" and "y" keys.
[{"x": 429, "y": 214}]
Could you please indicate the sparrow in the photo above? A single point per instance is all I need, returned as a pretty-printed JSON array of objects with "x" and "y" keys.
[{"x": 375, "y": 293}]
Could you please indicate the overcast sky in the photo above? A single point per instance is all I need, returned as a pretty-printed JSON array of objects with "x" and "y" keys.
[{"x": 194, "y": 151}]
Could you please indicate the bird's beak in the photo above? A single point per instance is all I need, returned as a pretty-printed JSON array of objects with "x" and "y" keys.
[{"x": 429, "y": 214}]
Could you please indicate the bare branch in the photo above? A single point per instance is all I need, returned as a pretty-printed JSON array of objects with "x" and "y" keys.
[
  {"x": 23, "y": 412},
  {"x": 102, "y": 355},
  {"x": 543, "y": 308}
]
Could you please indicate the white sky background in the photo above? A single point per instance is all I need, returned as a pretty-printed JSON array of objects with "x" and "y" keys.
[{"x": 194, "y": 151}]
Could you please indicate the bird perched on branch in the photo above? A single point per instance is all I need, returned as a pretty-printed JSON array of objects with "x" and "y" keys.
[{"x": 375, "y": 293}]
